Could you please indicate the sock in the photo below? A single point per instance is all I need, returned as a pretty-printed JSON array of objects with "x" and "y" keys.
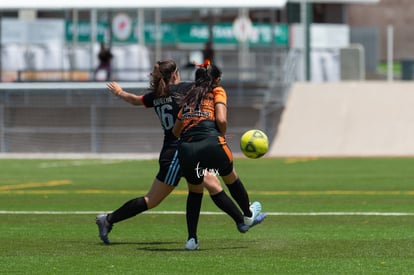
[
  {"x": 129, "y": 209},
  {"x": 239, "y": 194},
  {"x": 193, "y": 213},
  {"x": 227, "y": 205}
]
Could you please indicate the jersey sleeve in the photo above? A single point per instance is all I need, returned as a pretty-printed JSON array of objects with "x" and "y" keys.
[
  {"x": 220, "y": 96},
  {"x": 148, "y": 99}
]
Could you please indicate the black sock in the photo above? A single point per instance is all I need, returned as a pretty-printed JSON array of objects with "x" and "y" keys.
[
  {"x": 129, "y": 209},
  {"x": 193, "y": 213},
  {"x": 227, "y": 205},
  {"x": 239, "y": 194}
]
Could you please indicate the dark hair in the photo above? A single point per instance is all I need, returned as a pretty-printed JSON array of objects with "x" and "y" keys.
[
  {"x": 161, "y": 76},
  {"x": 205, "y": 82},
  {"x": 214, "y": 72}
]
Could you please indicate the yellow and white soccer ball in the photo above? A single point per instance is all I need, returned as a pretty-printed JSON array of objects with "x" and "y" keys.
[{"x": 254, "y": 144}]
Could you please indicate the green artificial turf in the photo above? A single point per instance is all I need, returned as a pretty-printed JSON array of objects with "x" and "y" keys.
[{"x": 325, "y": 216}]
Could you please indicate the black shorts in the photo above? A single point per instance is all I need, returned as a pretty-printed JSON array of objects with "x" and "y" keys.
[
  {"x": 169, "y": 167},
  {"x": 209, "y": 155}
]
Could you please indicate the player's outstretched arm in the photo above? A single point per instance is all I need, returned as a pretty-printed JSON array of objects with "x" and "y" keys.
[{"x": 117, "y": 90}]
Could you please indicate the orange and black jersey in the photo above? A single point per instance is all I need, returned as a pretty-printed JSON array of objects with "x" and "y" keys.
[
  {"x": 200, "y": 121},
  {"x": 167, "y": 107}
]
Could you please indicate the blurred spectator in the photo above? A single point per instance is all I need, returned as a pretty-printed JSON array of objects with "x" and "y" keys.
[
  {"x": 105, "y": 57},
  {"x": 208, "y": 51}
]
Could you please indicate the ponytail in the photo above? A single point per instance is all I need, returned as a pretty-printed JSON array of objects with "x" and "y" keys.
[{"x": 161, "y": 76}]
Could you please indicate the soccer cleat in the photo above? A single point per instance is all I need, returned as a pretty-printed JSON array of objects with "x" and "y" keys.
[
  {"x": 192, "y": 244},
  {"x": 255, "y": 208},
  {"x": 243, "y": 228},
  {"x": 258, "y": 219},
  {"x": 104, "y": 227}
]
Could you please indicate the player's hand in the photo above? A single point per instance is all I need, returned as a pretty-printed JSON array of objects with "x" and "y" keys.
[{"x": 114, "y": 88}]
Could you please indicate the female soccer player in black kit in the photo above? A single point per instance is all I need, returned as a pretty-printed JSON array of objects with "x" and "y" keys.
[
  {"x": 165, "y": 88},
  {"x": 201, "y": 125}
]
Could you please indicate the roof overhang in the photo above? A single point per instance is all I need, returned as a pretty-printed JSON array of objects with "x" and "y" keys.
[
  {"x": 137, "y": 4},
  {"x": 338, "y": 1}
]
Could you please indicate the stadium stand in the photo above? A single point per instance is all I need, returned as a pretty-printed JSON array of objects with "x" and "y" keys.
[{"x": 85, "y": 118}]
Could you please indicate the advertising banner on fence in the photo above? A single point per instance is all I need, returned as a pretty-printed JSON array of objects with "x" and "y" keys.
[{"x": 182, "y": 33}]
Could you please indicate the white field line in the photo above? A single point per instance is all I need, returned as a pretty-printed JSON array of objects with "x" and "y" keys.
[
  {"x": 10, "y": 212},
  {"x": 80, "y": 156}
]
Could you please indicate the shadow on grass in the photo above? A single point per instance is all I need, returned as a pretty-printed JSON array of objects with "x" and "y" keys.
[
  {"x": 166, "y": 246},
  {"x": 137, "y": 243},
  {"x": 164, "y": 249},
  {"x": 143, "y": 243}
]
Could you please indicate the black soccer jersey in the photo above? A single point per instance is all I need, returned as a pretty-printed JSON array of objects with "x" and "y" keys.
[{"x": 167, "y": 107}]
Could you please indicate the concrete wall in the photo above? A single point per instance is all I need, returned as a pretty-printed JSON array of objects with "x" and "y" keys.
[{"x": 347, "y": 119}]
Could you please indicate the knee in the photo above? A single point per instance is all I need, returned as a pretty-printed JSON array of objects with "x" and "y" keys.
[
  {"x": 152, "y": 202},
  {"x": 213, "y": 185},
  {"x": 195, "y": 188}
]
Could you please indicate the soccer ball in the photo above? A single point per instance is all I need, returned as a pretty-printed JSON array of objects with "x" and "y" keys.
[{"x": 254, "y": 144}]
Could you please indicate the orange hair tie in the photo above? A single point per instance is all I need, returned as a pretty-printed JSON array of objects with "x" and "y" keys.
[{"x": 205, "y": 65}]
